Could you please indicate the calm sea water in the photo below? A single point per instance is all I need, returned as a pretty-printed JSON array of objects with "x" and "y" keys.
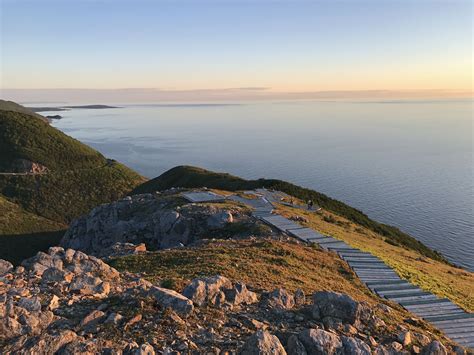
[{"x": 409, "y": 164}]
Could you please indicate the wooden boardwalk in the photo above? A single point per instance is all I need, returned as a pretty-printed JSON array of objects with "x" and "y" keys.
[
  {"x": 380, "y": 278},
  {"x": 202, "y": 196}
]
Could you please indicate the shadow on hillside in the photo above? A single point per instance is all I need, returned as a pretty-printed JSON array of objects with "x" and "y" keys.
[{"x": 17, "y": 247}]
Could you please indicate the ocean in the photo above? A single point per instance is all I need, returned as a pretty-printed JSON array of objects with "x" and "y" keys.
[{"x": 405, "y": 163}]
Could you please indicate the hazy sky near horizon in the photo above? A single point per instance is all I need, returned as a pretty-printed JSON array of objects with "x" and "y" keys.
[{"x": 283, "y": 46}]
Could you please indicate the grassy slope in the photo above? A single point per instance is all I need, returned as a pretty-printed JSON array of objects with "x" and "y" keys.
[
  {"x": 34, "y": 209},
  {"x": 13, "y": 106},
  {"x": 78, "y": 179},
  {"x": 22, "y": 233},
  {"x": 63, "y": 196},
  {"x": 25, "y": 136},
  {"x": 186, "y": 176},
  {"x": 15, "y": 220},
  {"x": 432, "y": 275},
  {"x": 263, "y": 265}
]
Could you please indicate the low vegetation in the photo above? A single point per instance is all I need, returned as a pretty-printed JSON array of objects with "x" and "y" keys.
[
  {"x": 36, "y": 208},
  {"x": 187, "y": 176},
  {"x": 432, "y": 275},
  {"x": 17, "y": 247},
  {"x": 65, "y": 195},
  {"x": 15, "y": 220},
  {"x": 262, "y": 265}
]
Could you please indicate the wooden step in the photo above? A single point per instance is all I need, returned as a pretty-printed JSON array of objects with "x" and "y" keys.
[
  {"x": 426, "y": 296},
  {"x": 405, "y": 286},
  {"x": 450, "y": 318},
  {"x": 395, "y": 282},
  {"x": 403, "y": 293}
]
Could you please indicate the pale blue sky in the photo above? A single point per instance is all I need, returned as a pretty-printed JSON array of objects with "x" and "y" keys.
[{"x": 282, "y": 45}]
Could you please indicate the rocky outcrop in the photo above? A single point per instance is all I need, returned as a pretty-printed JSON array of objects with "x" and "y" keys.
[
  {"x": 320, "y": 342},
  {"x": 280, "y": 299},
  {"x": 263, "y": 343},
  {"x": 333, "y": 308},
  {"x": 157, "y": 220},
  {"x": 218, "y": 291},
  {"x": 435, "y": 348},
  {"x": 5, "y": 266},
  {"x": 172, "y": 299},
  {"x": 24, "y": 166},
  {"x": 208, "y": 290},
  {"x": 355, "y": 346},
  {"x": 67, "y": 302}
]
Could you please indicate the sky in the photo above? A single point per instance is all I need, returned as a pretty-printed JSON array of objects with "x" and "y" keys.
[{"x": 164, "y": 50}]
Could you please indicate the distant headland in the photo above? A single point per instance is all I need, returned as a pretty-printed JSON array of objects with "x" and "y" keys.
[{"x": 66, "y": 108}]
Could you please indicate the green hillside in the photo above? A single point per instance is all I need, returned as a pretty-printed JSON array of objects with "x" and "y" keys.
[
  {"x": 13, "y": 106},
  {"x": 22, "y": 233},
  {"x": 15, "y": 220},
  {"x": 78, "y": 177},
  {"x": 188, "y": 176},
  {"x": 36, "y": 208},
  {"x": 24, "y": 136}
]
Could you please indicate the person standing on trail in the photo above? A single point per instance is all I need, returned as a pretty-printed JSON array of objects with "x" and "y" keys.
[{"x": 310, "y": 204}]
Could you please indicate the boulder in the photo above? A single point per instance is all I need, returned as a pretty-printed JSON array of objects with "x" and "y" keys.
[
  {"x": 405, "y": 338},
  {"x": 281, "y": 299},
  {"x": 114, "y": 318},
  {"x": 333, "y": 306},
  {"x": 219, "y": 219},
  {"x": 87, "y": 284},
  {"x": 240, "y": 294},
  {"x": 295, "y": 346},
  {"x": 32, "y": 304},
  {"x": 434, "y": 348},
  {"x": 300, "y": 297},
  {"x": 9, "y": 328},
  {"x": 320, "y": 342},
  {"x": 207, "y": 290},
  {"x": 172, "y": 299},
  {"x": 144, "y": 349},
  {"x": 5, "y": 266},
  {"x": 355, "y": 346},
  {"x": 48, "y": 343},
  {"x": 90, "y": 321},
  {"x": 53, "y": 274},
  {"x": 421, "y": 339},
  {"x": 42, "y": 261},
  {"x": 53, "y": 303},
  {"x": 262, "y": 343}
]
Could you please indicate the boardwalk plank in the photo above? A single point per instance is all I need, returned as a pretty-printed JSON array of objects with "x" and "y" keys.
[
  {"x": 370, "y": 259},
  {"x": 355, "y": 254},
  {"x": 440, "y": 312},
  {"x": 405, "y": 286},
  {"x": 202, "y": 196},
  {"x": 449, "y": 322},
  {"x": 459, "y": 330},
  {"x": 431, "y": 300},
  {"x": 432, "y": 307},
  {"x": 463, "y": 338},
  {"x": 447, "y": 326},
  {"x": 403, "y": 293},
  {"x": 374, "y": 284},
  {"x": 450, "y": 318},
  {"x": 379, "y": 266},
  {"x": 427, "y": 296}
]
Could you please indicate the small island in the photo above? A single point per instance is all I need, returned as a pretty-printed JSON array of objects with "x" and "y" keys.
[
  {"x": 91, "y": 107},
  {"x": 67, "y": 108},
  {"x": 54, "y": 117}
]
